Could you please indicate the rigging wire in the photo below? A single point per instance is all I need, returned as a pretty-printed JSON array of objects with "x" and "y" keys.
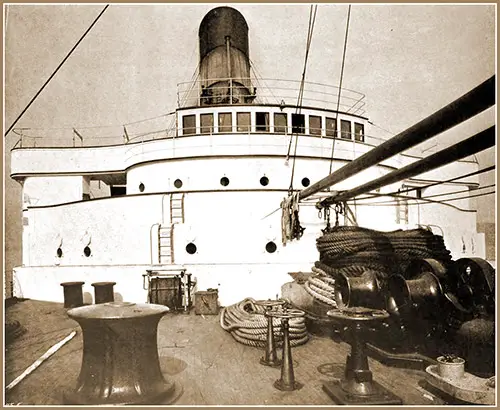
[
  {"x": 487, "y": 169},
  {"x": 459, "y": 192},
  {"x": 312, "y": 19},
  {"x": 379, "y": 127},
  {"x": 425, "y": 201},
  {"x": 391, "y": 202},
  {"x": 56, "y": 70},
  {"x": 258, "y": 76},
  {"x": 340, "y": 87}
]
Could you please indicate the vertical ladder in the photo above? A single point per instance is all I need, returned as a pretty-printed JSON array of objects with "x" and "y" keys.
[
  {"x": 402, "y": 211},
  {"x": 166, "y": 232},
  {"x": 177, "y": 208},
  {"x": 166, "y": 245}
]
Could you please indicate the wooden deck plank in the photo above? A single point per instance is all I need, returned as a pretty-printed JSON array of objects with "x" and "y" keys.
[{"x": 196, "y": 352}]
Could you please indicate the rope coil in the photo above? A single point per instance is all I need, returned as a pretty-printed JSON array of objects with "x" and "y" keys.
[
  {"x": 351, "y": 251},
  {"x": 247, "y": 324}
]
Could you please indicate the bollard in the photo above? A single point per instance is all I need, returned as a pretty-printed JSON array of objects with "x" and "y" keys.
[
  {"x": 120, "y": 363},
  {"x": 358, "y": 387},
  {"x": 73, "y": 294},
  {"x": 103, "y": 292}
]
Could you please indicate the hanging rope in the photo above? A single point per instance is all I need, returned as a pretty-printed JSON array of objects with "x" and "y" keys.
[
  {"x": 290, "y": 223},
  {"x": 56, "y": 70},
  {"x": 340, "y": 87}
]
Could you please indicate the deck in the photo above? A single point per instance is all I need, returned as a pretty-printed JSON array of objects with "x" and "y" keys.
[{"x": 196, "y": 352}]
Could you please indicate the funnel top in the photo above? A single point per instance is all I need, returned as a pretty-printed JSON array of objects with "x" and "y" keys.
[{"x": 219, "y": 23}]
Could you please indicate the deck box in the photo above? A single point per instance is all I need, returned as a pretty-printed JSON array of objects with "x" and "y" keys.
[{"x": 206, "y": 302}]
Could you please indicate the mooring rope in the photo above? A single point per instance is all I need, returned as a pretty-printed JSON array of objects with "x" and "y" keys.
[
  {"x": 247, "y": 324},
  {"x": 351, "y": 251}
]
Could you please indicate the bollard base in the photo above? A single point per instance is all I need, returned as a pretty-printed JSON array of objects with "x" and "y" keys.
[
  {"x": 280, "y": 385},
  {"x": 173, "y": 391},
  {"x": 270, "y": 363},
  {"x": 380, "y": 396}
]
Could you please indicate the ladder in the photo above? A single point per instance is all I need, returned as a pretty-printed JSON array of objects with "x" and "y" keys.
[
  {"x": 402, "y": 211},
  {"x": 166, "y": 245},
  {"x": 177, "y": 208},
  {"x": 166, "y": 232}
]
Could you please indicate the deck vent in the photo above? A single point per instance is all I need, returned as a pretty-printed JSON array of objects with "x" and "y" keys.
[
  {"x": 178, "y": 183},
  {"x": 191, "y": 248},
  {"x": 264, "y": 181},
  {"x": 224, "y": 181},
  {"x": 271, "y": 247},
  {"x": 305, "y": 182},
  {"x": 141, "y": 187},
  {"x": 86, "y": 251}
]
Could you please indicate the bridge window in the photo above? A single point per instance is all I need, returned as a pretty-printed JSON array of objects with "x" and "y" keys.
[
  {"x": 345, "y": 129},
  {"x": 188, "y": 125},
  {"x": 225, "y": 122},
  {"x": 331, "y": 127},
  {"x": 262, "y": 121},
  {"x": 298, "y": 123},
  {"x": 314, "y": 125},
  {"x": 280, "y": 122},
  {"x": 243, "y": 121},
  {"x": 207, "y": 123},
  {"x": 359, "y": 132}
]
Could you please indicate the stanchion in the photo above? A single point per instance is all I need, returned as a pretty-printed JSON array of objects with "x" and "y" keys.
[
  {"x": 357, "y": 386},
  {"x": 287, "y": 381},
  {"x": 270, "y": 358}
]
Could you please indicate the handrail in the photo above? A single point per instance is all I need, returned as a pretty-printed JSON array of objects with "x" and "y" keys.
[
  {"x": 190, "y": 93},
  {"x": 151, "y": 240}
]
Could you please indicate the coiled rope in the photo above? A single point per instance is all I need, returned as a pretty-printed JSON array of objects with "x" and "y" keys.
[
  {"x": 351, "y": 251},
  {"x": 247, "y": 324}
]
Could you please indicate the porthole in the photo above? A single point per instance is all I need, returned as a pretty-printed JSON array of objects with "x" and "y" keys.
[
  {"x": 59, "y": 253},
  {"x": 141, "y": 187},
  {"x": 224, "y": 181},
  {"x": 191, "y": 248},
  {"x": 178, "y": 183},
  {"x": 305, "y": 181},
  {"x": 87, "y": 251},
  {"x": 271, "y": 247},
  {"x": 264, "y": 181}
]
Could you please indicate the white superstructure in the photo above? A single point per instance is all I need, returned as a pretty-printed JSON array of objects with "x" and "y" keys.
[{"x": 204, "y": 194}]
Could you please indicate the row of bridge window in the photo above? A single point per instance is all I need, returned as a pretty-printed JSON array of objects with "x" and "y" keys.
[{"x": 317, "y": 125}]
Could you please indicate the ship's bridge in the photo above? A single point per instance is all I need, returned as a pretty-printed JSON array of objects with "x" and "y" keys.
[{"x": 280, "y": 106}]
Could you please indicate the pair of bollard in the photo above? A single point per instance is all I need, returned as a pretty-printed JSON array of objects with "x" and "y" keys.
[
  {"x": 287, "y": 380},
  {"x": 73, "y": 294}
]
